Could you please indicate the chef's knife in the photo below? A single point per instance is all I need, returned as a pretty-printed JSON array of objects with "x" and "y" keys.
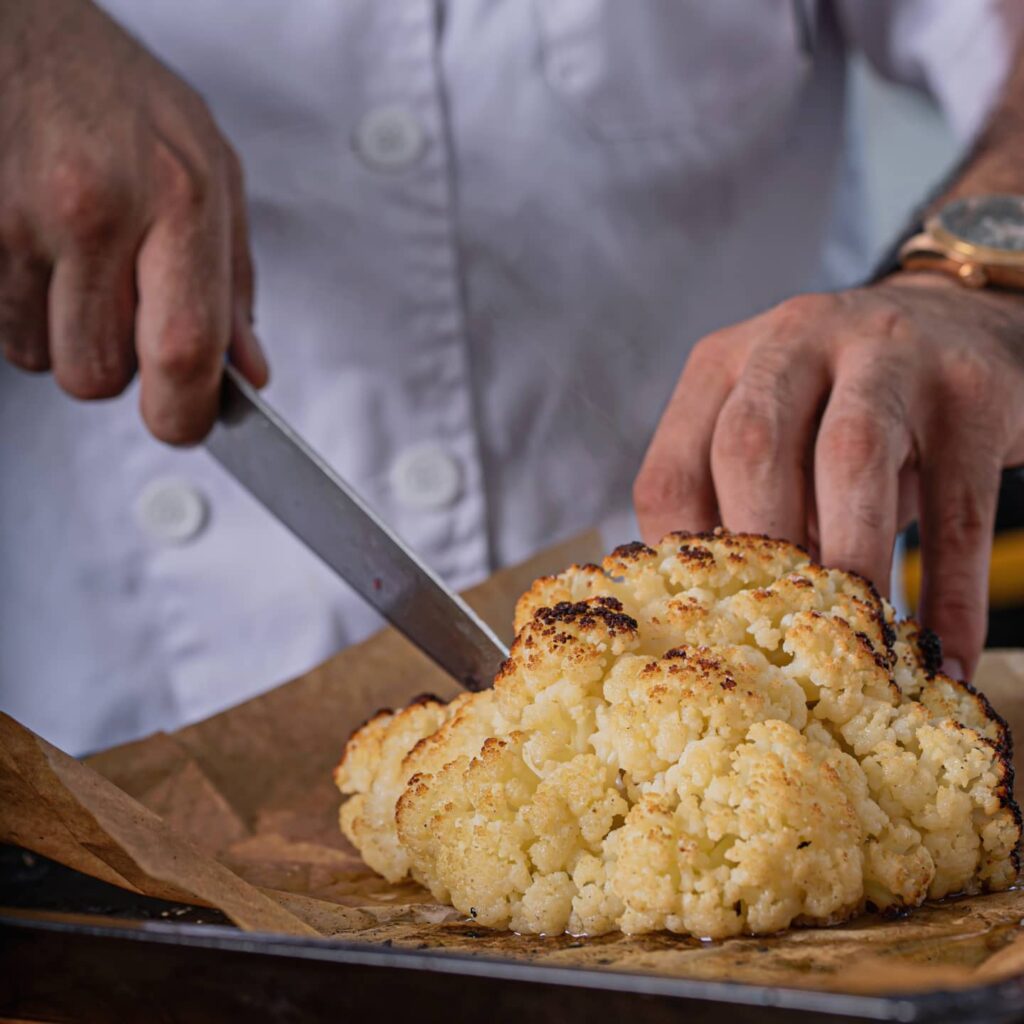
[{"x": 272, "y": 462}]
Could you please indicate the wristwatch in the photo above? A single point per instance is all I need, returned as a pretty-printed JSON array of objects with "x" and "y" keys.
[{"x": 979, "y": 240}]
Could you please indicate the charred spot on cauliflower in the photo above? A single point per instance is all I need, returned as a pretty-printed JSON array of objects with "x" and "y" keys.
[{"x": 712, "y": 736}]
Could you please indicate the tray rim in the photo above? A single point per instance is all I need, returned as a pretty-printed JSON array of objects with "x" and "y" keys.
[{"x": 1000, "y": 997}]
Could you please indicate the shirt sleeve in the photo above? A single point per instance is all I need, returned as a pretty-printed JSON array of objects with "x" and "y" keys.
[{"x": 960, "y": 53}]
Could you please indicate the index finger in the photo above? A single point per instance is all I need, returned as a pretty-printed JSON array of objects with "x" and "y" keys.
[
  {"x": 674, "y": 489},
  {"x": 183, "y": 320}
]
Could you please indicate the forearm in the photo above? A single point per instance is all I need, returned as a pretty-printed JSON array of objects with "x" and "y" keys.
[{"x": 996, "y": 161}]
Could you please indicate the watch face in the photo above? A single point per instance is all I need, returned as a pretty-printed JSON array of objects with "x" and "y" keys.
[{"x": 996, "y": 222}]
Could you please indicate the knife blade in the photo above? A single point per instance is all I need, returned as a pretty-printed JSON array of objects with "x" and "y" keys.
[{"x": 297, "y": 486}]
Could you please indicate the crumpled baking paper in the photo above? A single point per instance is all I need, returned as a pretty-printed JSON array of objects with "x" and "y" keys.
[{"x": 239, "y": 812}]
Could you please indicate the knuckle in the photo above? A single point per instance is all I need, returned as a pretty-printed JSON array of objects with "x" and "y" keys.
[
  {"x": 189, "y": 183},
  {"x": 711, "y": 350},
  {"x": 14, "y": 323},
  {"x": 749, "y": 433},
  {"x": 770, "y": 360},
  {"x": 971, "y": 380},
  {"x": 958, "y": 600},
  {"x": 857, "y": 442},
  {"x": 101, "y": 371},
  {"x": 32, "y": 359},
  {"x": 885, "y": 320},
  {"x": 90, "y": 385},
  {"x": 800, "y": 310},
  {"x": 660, "y": 486},
  {"x": 23, "y": 334},
  {"x": 191, "y": 173},
  {"x": 871, "y": 516},
  {"x": 964, "y": 519},
  {"x": 881, "y": 398},
  {"x": 191, "y": 179},
  {"x": 87, "y": 202},
  {"x": 955, "y": 606},
  {"x": 184, "y": 353}
]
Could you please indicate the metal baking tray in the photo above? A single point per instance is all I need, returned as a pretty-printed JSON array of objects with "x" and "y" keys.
[{"x": 75, "y": 949}]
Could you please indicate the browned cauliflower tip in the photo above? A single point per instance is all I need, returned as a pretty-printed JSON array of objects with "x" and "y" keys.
[{"x": 713, "y": 736}]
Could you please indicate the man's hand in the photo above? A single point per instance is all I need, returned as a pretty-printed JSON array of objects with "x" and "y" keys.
[
  {"x": 123, "y": 238},
  {"x": 834, "y": 420}
]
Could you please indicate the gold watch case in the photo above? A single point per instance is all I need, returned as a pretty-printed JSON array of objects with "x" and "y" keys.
[{"x": 975, "y": 264}]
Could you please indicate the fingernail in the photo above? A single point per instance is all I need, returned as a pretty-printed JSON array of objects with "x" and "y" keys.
[{"x": 953, "y": 668}]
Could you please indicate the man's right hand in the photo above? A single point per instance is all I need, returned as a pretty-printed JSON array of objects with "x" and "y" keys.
[{"x": 123, "y": 238}]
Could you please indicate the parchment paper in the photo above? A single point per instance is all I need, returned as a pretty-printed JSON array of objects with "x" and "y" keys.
[{"x": 239, "y": 812}]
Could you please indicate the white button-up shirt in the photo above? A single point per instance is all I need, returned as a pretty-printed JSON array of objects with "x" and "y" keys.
[{"x": 487, "y": 233}]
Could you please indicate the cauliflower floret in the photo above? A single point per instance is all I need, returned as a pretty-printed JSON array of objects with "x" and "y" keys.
[
  {"x": 371, "y": 769},
  {"x": 491, "y": 836},
  {"x": 385, "y": 753},
  {"x": 654, "y": 708},
  {"x": 704, "y": 856},
  {"x": 713, "y": 736},
  {"x": 918, "y": 657}
]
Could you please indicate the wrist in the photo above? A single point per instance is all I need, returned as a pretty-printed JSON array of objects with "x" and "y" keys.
[
  {"x": 936, "y": 283},
  {"x": 994, "y": 313}
]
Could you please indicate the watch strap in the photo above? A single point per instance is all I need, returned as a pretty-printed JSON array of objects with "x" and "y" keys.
[{"x": 890, "y": 261}]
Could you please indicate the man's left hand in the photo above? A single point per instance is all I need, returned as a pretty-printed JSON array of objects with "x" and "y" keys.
[{"x": 834, "y": 420}]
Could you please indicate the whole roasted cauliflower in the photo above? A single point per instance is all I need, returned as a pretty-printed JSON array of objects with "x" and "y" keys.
[{"x": 713, "y": 736}]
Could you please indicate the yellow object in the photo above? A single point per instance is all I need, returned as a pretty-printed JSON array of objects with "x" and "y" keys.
[{"x": 1006, "y": 577}]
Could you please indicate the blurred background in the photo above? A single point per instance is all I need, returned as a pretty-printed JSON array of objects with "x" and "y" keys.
[{"x": 908, "y": 147}]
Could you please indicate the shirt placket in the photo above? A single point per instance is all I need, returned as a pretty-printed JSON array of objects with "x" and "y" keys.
[{"x": 436, "y": 477}]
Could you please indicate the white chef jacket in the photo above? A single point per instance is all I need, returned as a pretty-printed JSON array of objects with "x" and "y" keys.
[{"x": 487, "y": 233}]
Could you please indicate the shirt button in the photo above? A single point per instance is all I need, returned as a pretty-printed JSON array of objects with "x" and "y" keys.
[
  {"x": 426, "y": 476},
  {"x": 172, "y": 511},
  {"x": 389, "y": 138}
]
